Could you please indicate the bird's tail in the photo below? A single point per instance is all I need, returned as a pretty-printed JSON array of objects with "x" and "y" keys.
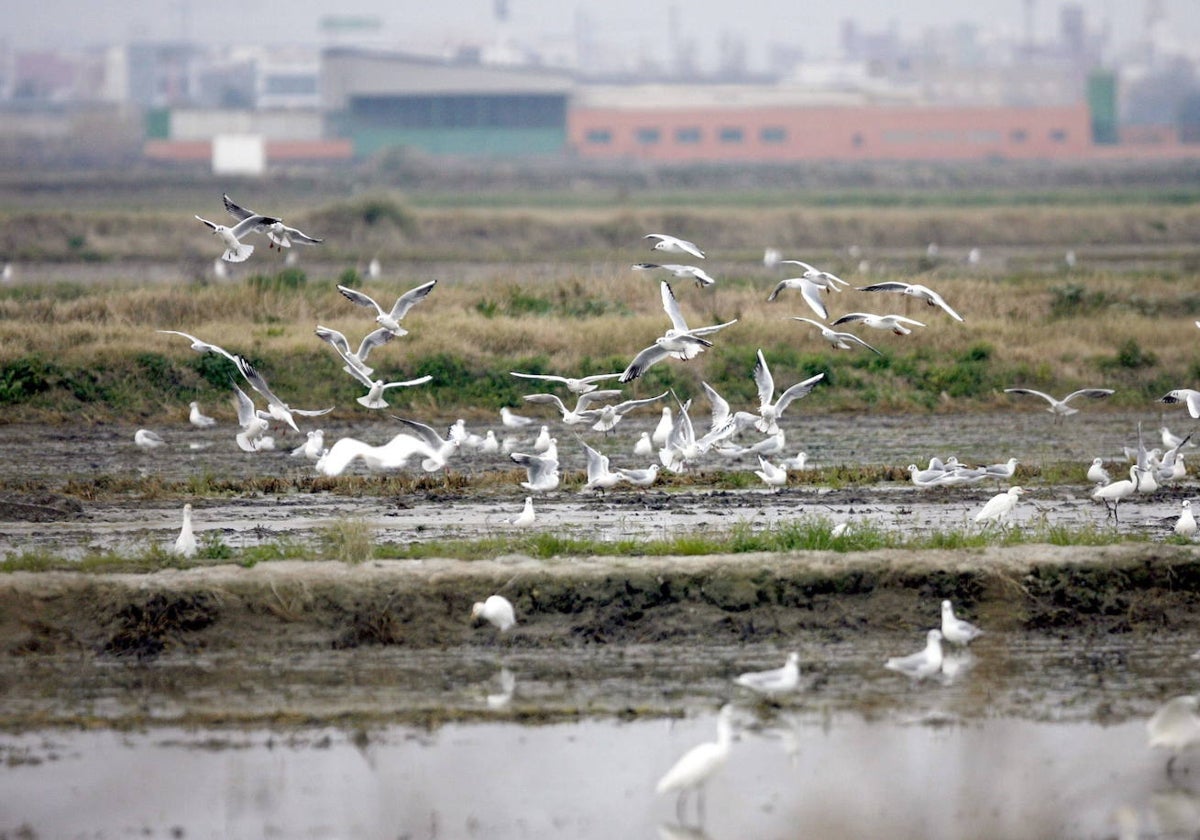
[{"x": 239, "y": 254}]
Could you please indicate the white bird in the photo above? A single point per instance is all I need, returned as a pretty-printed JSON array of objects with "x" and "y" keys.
[
  {"x": 374, "y": 269},
  {"x": 1174, "y": 726},
  {"x": 1000, "y": 506},
  {"x": 611, "y": 415},
  {"x": 954, "y": 629},
  {"x": 312, "y": 448},
  {"x": 772, "y": 476},
  {"x": 698, "y": 764},
  {"x": 185, "y": 543},
  {"x": 640, "y": 478},
  {"x": 235, "y": 249},
  {"x": 542, "y": 472},
  {"x": 508, "y": 684},
  {"x": 679, "y": 341},
  {"x": 809, "y": 291},
  {"x": 580, "y": 413},
  {"x": 390, "y": 319},
  {"x": 1002, "y": 471},
  {"x": 644, "y": 446},
  {"x": 496, "y": 610},
  {"x": 197, "y": 417},
  {"x": 514, "y": 421},
  {"x": 599, "y": 476},
  {"x": 489, "y": 445},
  {"x": 526, "y": 517},
  {"x": 1184, "y": 395},
  {"x": 253, "y": 423},
  {"x": 897, "y": 324},
  {"x": 798, "y": 462},
  {"x": 281, "y": 235},
  {"x": 926, "y": 478},
  {"x": 201, "y": 346},
  {"x": 218, "y": 269},
  {"x": 914, "y": 290},
  {"x": 7, "y": 273},
  {"x": 775, "y": 681},
  {"x": 674, "y": 245},
  {"x": 375, "y": 388},
  {"x": 824, "y": 279},
  {"x": 392, "y": 455},
  {"x": 355, "y": 360},
  {"x": 1172, "y": 441},
  {"x": 1117, "y": 491},
  {"x": 683, "y": 272},
  {"x": 442, "y": 448},
  {"x": 543, "y": 441},
  {"x": 1185, "y": 525},
  {"x": 582, "y": 385},
  {"x": 147, "y": 439},
  {"x": 1097, "y": 474},
  {"x": 276, "y": 407},
  {"x": 838, "y": 340},
  {"x": 770, "y": 409},
  {"x": 924, "y": 663},
  {"x": 665, "y": 422},
  {"x": 1059, "y": 408}
]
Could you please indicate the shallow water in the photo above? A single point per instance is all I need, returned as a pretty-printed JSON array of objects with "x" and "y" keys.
[{"x": 803, "y": 775}]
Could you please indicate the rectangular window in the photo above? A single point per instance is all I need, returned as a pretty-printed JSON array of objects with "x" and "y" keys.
[
  {"x": 1058, "y": 135},
  {"x": 773, "y": 134},
  {"x": 730, "y": 134},
  {"x": 647, "y": 136},
  {"x": 687, "y": 135},
  {"x": 1018, "y": 135},
  {"x": 598, "y": 136}
]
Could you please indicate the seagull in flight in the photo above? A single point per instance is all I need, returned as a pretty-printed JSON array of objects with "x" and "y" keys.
[
  {"x": 375, "y": 388},
  {"x": 674, "y": 245},
  {"x": 356, "y": 360},
  {"x": 201, "y": 346},
  {"x": 1184, "y": 395},
  {"x": 770, "y": 409},
  {"x": 914, "y": 290},
  {"x": 679, "y": 342},
  {"x": 837, "y": 339},
  {"x": 896, "y": 323},
  {"x": 390, "y": 320},
  {"x": 235, "y": 249},
  {"x": 683, "y": 272},
  {"x": 1059, "y": 408},
  {"x": 276, "y": 407},
  {"x": 810, "y": 291},
  {"x": 254, "y": 424},
  {"x": 281, "y": 235},
  {"x": 581, "y": 385},
  {"x": 581, "y": 413}
]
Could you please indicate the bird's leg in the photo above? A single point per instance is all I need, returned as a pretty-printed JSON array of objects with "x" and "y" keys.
[
  {"x": 700, "y": 803},
  {"x": 1171, "y": 765}
]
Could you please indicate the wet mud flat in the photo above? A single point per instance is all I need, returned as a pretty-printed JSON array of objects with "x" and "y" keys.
[{"x": 1093, "y": 633}]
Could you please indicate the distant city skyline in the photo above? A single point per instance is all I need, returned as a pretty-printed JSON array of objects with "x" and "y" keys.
[{"x": 641, "y": 28}]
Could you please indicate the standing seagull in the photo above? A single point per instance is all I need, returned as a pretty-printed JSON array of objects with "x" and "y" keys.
[
  {"x": 198, "y": 418},
  {"x": 281, "y": 235},
  {"x": 674, "y": 245},
  {"x": 954, "y": 629},
  {"x": 1000, "y": 506},
  {"x": 775, "y": 681},
  {"x": 924, "y": 663},
  {"x": 1059, "y": 408},
  {"x": 526, "y": 517},
  {"x": 542, "y": 472},
  {"x": 235, "y": 249},
  {"x": 914, "y": 290},
  {"x": 185, "y": 543},
  {"x": 1185, "y": 526},
  {"x": 772, "y": 476},
  {"x": 696, "y": 765},
  {"x": 1175, "y": 726},
  {"x": 390, "y": 319}
]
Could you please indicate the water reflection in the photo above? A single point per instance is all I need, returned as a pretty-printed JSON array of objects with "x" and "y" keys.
[{"x": 999, "y": 778}]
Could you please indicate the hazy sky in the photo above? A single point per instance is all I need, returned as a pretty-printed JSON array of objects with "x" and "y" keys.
[{"x": 642, "y": 24}]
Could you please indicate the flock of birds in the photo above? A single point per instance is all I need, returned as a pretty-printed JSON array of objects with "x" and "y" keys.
[{"x": 1176, "y": 726}]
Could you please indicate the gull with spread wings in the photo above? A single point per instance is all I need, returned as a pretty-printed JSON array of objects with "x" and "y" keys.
[
  {"x": 679, "y": 342},
  {"x": 390, "y": 319},
  {"x": 281, "y": 235},
  {"x": 913, "y": 290}
]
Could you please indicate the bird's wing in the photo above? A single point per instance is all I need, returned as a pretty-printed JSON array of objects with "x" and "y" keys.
[
  {"x": 699, "y": 331},
  {"x": 545, "y": 376},
  {"x": 1031, "y": 392},
  {"x": 652, "y": 354},
  {"x": 207, "y": 222},
  {"x": 889, "y": 286},
  {"x": 597, "y": 464},
  {"x": 851, "y": 317},
  {"x": 671, "y": 307},
  {"x": 938, "y": 301},
  {"x": 410, "y": 298},
  {"x": 595, "y": 396},
  {"x": 257, "y": 382},
  {"x": 789, "y": 283},
  {"x": 904, "y": 320},
  {"x": 720, "y": 406},
  {"x": 238, "y": 212},
  {"x": 811, "y": 293},
  {"x": 408, "y": 383},
  {"x": 311, "y": 412},
  {"x": 245, "y": 407},
  {"x": 355, "y": 371},
  {"x": 816, "y": 324},
  {"x": 646, "y": 266},
  {"x": 630, "y": 405},
  {"x": 764, "y": 381},
  {"x": 205, "y": 345},
  {"x": 600, "y": 377},
  {"x": 426, "y": 433},
  {"x": 845, "y": 336},
  {"x": 1090, "y": 393},
  {"x": 374, "y": 339},
  {"x": 301, "y": 236},
  {"x": 335, "y": 338},
  {"x": 547, "y": 399},
  {"x": 800, "y": 389},
  {"x": 800, "y": 263},
  {"x": 355, "y": 296},
  {"x": 690, "y": 247},
  {"x": 251, "y": 223}
]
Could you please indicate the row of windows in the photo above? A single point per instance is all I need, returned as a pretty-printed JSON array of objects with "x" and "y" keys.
[
  {"x": 690, "y": 135},
  {"x": 648, "y": 136},
  {"x": 462, "y": 111}
]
